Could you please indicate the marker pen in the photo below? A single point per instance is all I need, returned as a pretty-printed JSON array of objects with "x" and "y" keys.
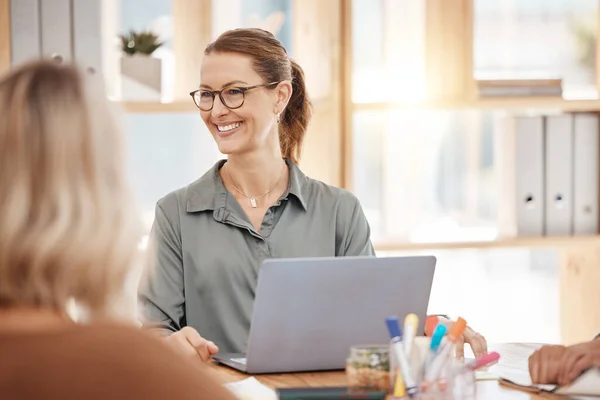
[
  {"x": 483, "y": 361},
  {"x": 411, "y": 324},
  {"x": 404, "y": 368},
  {"x": 444, "y": 353}
]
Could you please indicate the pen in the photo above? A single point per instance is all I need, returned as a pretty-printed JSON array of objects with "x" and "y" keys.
[
  {"x": 483, "y": 361},
  {"x": 399, "y": 388},
  {"x": 434, "y": 344},
  {"x": 445, "y": 348},
  {"x": 411, "y": 324},
  {"x": 431, "y": 323},
  {"x": 396, "y": 335},
  {"x": 437, "y": 336}
]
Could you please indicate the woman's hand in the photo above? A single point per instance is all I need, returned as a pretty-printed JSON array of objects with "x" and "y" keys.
[
  {"x": 475, "y": 340},
  {"x": 562, "y": 365},
  {"x": 189, "y": 342},
  {"x": 544, "y": 364}
]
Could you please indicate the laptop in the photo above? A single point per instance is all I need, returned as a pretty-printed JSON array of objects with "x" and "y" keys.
[{"x": 308, "y": 312}]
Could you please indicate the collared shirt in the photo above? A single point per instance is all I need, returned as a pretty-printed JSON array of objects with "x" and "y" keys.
[{"x": 208, "y": 254}]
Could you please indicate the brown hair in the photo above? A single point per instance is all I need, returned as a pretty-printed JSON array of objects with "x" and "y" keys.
[
  {"x": 271, "y": 62},
  {"x": 69, "y": 228}
]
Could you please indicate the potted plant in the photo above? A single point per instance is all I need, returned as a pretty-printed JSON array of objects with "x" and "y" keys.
[
  {"x": 585, "y": 35},
  {"x": 140, "y": 71}
]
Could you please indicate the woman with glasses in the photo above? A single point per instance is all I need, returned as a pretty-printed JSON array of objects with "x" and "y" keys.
[{"x": 211, "y": 236}]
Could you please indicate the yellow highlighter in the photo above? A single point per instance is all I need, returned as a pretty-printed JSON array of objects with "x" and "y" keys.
[
  {"x": 411, "y": 324},
  {"x": 399, "y": 388}
]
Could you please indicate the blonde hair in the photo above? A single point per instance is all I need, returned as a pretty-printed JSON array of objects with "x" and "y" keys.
[{"x": 68, "y": 227}]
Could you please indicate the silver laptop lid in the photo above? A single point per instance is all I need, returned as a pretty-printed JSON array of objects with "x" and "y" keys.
[{"x": 309, "y": 312}]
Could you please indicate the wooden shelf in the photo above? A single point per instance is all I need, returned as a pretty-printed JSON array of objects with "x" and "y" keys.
[
  {"x": 538, "y": 242},
  {"x": 490, "y": 103},
  {"x": 503, "y": 103},
  {"x": 157, "y": 107}
]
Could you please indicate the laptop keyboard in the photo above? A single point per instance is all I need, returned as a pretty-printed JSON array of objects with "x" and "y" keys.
[{"x": 239, "y": 360}]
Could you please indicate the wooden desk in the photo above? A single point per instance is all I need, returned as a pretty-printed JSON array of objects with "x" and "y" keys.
[{"x": 512, "y": 355}]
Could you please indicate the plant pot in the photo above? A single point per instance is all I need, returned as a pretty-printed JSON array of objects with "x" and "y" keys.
[{"x": 141, "y": 77}]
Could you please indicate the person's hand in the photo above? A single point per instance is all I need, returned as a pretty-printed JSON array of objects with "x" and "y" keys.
[
  {"x": 544, "y": 364},
  {"x": 475, "y": 340},
  {"x": 577, "y": 359},
  {"x": 562, "y": 365},
  {"x": 189, "y": 342}
]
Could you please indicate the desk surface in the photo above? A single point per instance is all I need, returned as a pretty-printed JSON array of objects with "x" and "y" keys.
[{"x": 512, "y": 356}]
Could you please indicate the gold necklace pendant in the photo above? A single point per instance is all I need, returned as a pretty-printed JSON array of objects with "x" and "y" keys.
[{"x": 253, "y": 199}]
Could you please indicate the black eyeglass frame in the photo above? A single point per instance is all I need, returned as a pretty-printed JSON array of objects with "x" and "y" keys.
[{"x": 220, "y": 93}]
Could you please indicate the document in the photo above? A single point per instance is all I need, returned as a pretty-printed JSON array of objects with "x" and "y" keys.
[
  {"x": 515, "y": 374},
  {"x": 251, "y": 389},
  {"x": 587, "y": 385}
]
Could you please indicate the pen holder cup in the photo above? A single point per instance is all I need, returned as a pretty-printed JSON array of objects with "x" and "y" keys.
[
  {"x": 370, "y": 366},
  {"x": 454, "y": 383}
]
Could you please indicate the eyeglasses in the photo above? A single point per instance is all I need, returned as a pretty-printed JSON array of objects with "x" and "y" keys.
[{"x": 231, "y": 97}]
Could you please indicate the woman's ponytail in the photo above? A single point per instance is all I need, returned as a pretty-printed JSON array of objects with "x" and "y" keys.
[{"x": 295, "y": 118}]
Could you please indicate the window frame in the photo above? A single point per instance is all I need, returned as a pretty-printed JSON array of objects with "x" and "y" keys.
[{"x": 448, "y": 59}]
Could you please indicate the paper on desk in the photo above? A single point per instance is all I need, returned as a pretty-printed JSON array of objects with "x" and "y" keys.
[
  {"x": 523, "y": 378},
  {"x": 511, "y": 359},
  {"x": 514, "y": 368},
  {"x": 588, "y": 384},
  {"x": 251, "y": 389},
  {"x": 485, "y": 375}
]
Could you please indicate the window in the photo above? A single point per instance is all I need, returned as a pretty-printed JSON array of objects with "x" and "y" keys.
[
  {"x": 538, "y": 38},
  {"x": 490, "y": 287},
  {"x": 427, "y": 176},
  {"x": 172, "y": 69},
  {"x": 274, "y": 16},
  {"x": 421, "y": 175},
  {"x": 166, "y": 152},
  {"x": 388, "y": 50},
  {"x": 143, "y": 78}
]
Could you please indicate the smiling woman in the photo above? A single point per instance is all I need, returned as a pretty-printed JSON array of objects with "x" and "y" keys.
[
  {"x": 239, "y": 126},
  {"x": 211, "y": 236},
  {"x": 232, "y": 97}
]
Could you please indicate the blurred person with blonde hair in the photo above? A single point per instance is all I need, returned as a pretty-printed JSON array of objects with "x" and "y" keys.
[{"x": 69, "y": 234}]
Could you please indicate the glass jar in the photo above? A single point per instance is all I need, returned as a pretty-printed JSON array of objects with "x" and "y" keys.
[
  {"x": 368, "y": 367},
  {"x": 454, "y": 383}
]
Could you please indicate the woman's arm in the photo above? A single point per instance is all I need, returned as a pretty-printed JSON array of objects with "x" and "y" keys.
[{"x": 353, "y": 234}]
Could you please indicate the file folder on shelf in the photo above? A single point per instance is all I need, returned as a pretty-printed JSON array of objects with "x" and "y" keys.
[
  {"x": 24, "y": 31},
  {"x": 585, "y": 174},
  {"x": 559, "y": 175},
  {"x": 87, "y": 34},
  {"x": 529, "y": 175},
  {"x": 55, "y": 28}
]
